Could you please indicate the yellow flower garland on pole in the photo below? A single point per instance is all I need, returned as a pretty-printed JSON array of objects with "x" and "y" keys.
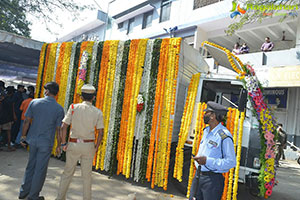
[
  {"x": 158, "y": 96},
  {"x": 234, "y": 125},
  {"x": 49, "y": 68},
  {"x": 161, "y": 102},
  {"x": 238, "y": 156},
  {"x": 64, "y": 74},
  {"x": 197, "y": 138},
  {"x": 174, "y": 58},
  {"x": 139, "y": 63},
  {"x": 185, "y": 125},
  {"x": 121, "y": 156},
  {"x": 107, "y": 96},
  {"x": 226, "y": 175}
]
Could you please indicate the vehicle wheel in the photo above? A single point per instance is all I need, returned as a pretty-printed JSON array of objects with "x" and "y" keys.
[{"x": 298, "y": 160}]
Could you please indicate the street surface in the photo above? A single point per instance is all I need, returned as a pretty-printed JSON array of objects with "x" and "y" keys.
[{"x": 12, "y": 167}]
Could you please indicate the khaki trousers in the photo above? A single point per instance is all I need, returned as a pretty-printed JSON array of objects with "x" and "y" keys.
[{"x": 85, "y": 153}]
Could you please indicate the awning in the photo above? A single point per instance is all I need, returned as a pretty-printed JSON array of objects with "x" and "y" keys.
[
  {"x": 137, "y": 10},
  {"x": 6, "y": 37},
  {"x": 220, "y": 57}
]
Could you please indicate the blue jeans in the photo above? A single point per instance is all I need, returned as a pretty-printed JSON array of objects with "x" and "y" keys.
[{"x": 36, "y": 171}]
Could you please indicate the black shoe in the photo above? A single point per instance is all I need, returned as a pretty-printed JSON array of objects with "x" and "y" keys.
[
  {"x": 40, "y": 198},
  {"x": 23, "y": 197}
]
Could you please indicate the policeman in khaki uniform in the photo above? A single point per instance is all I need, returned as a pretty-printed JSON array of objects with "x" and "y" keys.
[
  {"x": 215, "y": 156},
  {"x": 84, "y": 117}
]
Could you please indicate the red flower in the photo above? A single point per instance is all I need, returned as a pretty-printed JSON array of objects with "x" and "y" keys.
[{"x": 140, "y": 107}]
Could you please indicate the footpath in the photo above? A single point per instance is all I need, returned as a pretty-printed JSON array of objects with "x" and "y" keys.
[{"x": 12, "y": 167}]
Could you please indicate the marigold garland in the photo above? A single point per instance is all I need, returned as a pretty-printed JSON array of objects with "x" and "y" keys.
[
  {"x": 226, "y": 175},
  {"x": 40, "y": 70},
  {"x": 60, "y": 62},
  {"x": 196, "y": 142},
  {"x": 150, "y": 107},
  {"x": 185, "y": 125},
  {"x": 107, "y": 97},
  {"x": 47, "y": 57},
  {"x": 238, "y": 156},
  {"x": 156, "y": 114},
  {"x": 126, "y": 107}
]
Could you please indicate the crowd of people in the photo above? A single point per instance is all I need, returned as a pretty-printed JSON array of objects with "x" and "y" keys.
[
  {"x": 243, "y": 49},
  {"x": 13, "y": 105}
]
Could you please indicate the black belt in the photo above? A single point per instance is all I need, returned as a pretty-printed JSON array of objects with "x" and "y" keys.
[{"x": 209, "y": 173}]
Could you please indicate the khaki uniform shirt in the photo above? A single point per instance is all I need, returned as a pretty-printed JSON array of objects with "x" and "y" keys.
[{"x": 84, "y": 117}]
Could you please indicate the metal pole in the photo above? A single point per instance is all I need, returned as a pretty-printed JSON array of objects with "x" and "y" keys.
[{"x": 104, "y": 34}]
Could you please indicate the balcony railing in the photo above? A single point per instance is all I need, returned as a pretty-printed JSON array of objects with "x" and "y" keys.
[{"x": 202, "y": 3}]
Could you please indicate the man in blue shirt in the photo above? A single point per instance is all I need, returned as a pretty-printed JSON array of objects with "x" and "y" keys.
[
  {"x": 46, "y": 116},
  {"x": 215, "y": 156}
]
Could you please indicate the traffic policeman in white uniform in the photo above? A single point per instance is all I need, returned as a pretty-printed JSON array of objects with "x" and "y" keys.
[
  {"x": 84, "y": 118},
  {"x": 215, "y": 156}
]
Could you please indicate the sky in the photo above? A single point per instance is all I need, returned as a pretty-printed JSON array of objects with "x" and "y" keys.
[{"x": 39, "y": 31}]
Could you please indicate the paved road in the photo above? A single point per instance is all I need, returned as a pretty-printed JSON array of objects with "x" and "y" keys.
[{"x": 12, "y": 166}]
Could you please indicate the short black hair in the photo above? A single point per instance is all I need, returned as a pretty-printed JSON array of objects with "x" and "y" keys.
[
  {"x": 30, "y": 88},
  {"x": 280, "y": 125},
  {"x": 53, "y": 87},
  {"x": 20, "y": 86},
  {"x": 10, "y": 90},
  {"x": 219, "y": 117},
  {"x": 87, "y": 97},
  {"x": 2, "y": 84}
]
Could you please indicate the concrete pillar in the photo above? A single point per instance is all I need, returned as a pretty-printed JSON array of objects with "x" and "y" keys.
[{"x": 200, "y": 36}]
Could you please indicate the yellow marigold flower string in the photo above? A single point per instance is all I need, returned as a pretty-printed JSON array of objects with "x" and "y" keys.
[
  {"x": 238, "y": 156},
  {"x": 39, "y": 74}
]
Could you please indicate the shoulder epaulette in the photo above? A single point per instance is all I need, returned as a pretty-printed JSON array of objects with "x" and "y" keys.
[{"x": 222, "y": 135}]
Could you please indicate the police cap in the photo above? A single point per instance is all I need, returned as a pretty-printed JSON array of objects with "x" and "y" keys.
[
  {"x": 88, "y": 89},
  {"x": 216, "y": 108}
]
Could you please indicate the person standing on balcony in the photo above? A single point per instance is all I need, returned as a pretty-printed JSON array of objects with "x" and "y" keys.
[
  {"x": 267, "y": 45},
  {"x": 85, "y": 118},
  {"x": 236, "y": 49},
  {"x": 244, "y": 48},
  {"x": 215, "y": 156}
]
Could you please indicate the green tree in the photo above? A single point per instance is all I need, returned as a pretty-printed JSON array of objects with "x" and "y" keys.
[
  {"x": 13, "y": 13},
  {"x": 13, "y": 18},
  {"x": 261, "y": 10}
]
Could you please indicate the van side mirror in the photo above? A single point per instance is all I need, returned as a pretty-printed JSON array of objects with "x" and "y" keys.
[{"x": 243, "y": 100}]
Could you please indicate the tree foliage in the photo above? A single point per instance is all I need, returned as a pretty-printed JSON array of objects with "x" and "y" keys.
[
  {"x": 13, "y": 13},
  {"x": 13, "y": 18},
  {"x": 262, "y": 12}
]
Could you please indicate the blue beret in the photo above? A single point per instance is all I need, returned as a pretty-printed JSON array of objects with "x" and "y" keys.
[{"x": 216, "y": 108}]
